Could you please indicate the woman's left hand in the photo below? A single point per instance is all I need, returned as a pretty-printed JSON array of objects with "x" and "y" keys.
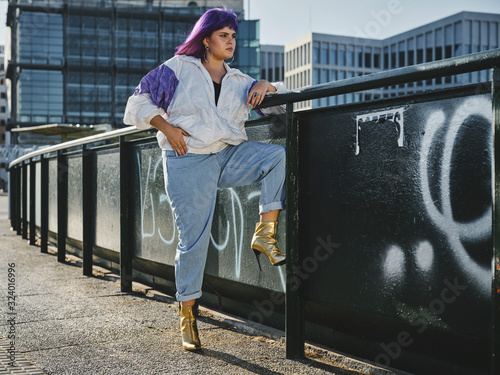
[{"x": 257, "y": 93}]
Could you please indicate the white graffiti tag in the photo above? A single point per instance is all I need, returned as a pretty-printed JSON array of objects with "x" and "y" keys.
[
  {"x": 147, "y": 194},
  {"x": 456, "y": 232},
  {"x": 153, "y": 199}
]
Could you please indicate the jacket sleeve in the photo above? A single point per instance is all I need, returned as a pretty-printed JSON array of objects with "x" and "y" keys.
[
  {"x": 152, "y": 97},
  {"x": 276, "y": 110}
]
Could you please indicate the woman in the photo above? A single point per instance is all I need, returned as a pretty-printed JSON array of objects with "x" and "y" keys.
[{"x": 199, "y": 106}]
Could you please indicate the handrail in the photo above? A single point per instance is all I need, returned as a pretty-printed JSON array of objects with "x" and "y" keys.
[
  {"x": 451, "y": 66},
  {"x": 129, "y": 130}
]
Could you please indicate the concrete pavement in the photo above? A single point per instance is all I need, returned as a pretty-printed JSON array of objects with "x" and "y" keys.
[{"x": 62, "y": 322}]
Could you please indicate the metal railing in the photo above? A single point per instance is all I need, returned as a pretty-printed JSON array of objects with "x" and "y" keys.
[
  {"x": 295, "y": 318},
  {"x": 456, "y": 65}
]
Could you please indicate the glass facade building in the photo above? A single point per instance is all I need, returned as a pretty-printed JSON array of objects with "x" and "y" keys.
[
  {"x": 320, "y": 58},
  {"x": 77, "y": 62}
]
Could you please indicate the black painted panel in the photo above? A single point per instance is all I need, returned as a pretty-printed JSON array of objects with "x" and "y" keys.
[{"x": 401, "y": 237}]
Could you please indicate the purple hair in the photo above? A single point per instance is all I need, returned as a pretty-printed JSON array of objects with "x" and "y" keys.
[{"x": 212, "y": 20}]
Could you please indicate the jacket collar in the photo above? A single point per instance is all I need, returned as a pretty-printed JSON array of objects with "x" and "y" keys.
[{"x": 197, "y": 61}]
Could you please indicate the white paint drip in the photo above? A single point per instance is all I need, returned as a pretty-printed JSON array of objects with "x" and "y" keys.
[{"x": 393, "y": 115}]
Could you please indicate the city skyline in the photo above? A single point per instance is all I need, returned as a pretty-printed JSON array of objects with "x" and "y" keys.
[{"x": 283, "y": 21}]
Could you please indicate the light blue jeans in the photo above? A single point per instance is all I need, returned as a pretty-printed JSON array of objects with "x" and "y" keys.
[{"x": 191, "y": 183}]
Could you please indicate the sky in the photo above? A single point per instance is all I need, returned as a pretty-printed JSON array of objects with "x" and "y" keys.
[{"x": 283, "y": 21}]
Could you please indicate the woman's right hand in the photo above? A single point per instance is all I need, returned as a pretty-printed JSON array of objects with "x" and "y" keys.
[{"x": 175, "y": 136}]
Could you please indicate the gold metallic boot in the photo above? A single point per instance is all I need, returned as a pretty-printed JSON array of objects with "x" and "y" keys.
[
  {"x": 264, "y": 241},
  {"x": 189, "y": 330}
]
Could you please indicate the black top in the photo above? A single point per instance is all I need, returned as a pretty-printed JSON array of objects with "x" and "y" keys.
[{"x": 217, "y": 87}]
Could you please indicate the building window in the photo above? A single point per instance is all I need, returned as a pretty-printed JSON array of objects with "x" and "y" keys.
[
  {"x": 325, "y": 76},
  {"x": 484, "y": 35},
  {"x": 438, "y": 44},
  {"x": 448, "y": 42},
  {"x": 359, "y": 57},
  {"x": 42, "y": 93},
  {"x": 411, "y": 51},
  {"x": 40, "y": 38},
  {"x": 438, "y": 51},
  {"x": 350, "y": 56},
  {"x": 333, "y": 54},
  {"x": 476, "y": 36},
  {"x": 458, "y": 38},
  {"x": 262, "y": 65},
  {"x": 428, "y": 52},
  {"x": 316, "y": 53},
  {"x": 316, "y": 79},
  {"x": 368, "y": 57},
  {"x": 277, "y": 63},
  {"x": 342, "y": 54},
  {"x": 89, "y": 95},
  {"x": 136, "y": 41},
  {"x": 401, "y": 54},
  {"x": 494, "y": 35},
  {"x": 386, "y": 58},
  {"x": 324, "y": 53},
  {"x": 420, "y": 49},
  {"x": 270, "y": 67},
  {"x": 324, "y": 79},
  {"x": 393, "y": 57}
]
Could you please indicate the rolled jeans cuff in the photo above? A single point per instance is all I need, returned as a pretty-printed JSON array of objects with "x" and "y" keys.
[
  {"x": 271, "y": 207},
  {"x": 188, "y": 297}
]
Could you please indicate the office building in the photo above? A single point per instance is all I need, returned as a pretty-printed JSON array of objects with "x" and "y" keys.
[
  {"x": 272, "y": 63},
  {"x": 77, "y": 62},
  {"x": 319, "y": 58}
]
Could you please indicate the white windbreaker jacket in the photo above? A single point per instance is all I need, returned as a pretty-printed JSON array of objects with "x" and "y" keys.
[{"x": 182, "y": 92}]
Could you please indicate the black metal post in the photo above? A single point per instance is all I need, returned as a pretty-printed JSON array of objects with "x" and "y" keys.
[
  {"x": 294, "y": 314},
  {"x": 19, "y": 198},
  {"x": 495, "y": 363},
  {"x": 62, "y": 205},
  {"x": 32, "y": 202},
  {"x": 88, "y": 205},
  {"x": 125, "y": 227},
  {"x": 25, "y": 202},
  {"x": 44, "y": 204},
  {"x": 13, "y": 197}
]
